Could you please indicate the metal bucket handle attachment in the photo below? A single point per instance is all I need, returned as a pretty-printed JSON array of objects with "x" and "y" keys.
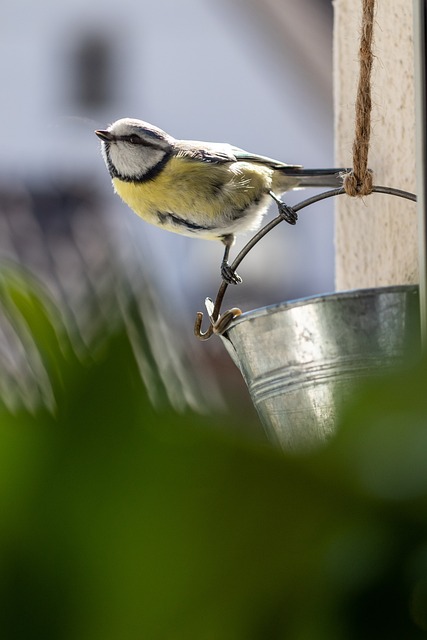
[{"x": 218, "y": 324}]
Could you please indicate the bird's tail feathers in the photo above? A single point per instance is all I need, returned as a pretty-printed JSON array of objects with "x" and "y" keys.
[{"x": 316, "y": 177}]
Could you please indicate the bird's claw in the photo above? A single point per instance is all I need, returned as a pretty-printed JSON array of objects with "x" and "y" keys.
[
  {"x": 229, "y": 275},
  {"x": 287, "y": 213}
]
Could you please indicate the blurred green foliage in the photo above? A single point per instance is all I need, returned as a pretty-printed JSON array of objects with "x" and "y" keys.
[{"x": 119, "y": 521}]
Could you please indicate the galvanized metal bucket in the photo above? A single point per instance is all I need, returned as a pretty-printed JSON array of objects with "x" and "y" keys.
[{"x": 301, "y": 360}]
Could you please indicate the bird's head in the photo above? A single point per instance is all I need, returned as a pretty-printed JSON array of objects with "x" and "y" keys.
[{"x": 133, "y": 149}]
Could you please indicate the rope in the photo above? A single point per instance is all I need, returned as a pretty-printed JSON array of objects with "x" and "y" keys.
[{"x": 358, "y": 182}]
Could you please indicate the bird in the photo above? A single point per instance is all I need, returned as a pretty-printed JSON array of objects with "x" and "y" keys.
[{"x": 200, "y": 189}]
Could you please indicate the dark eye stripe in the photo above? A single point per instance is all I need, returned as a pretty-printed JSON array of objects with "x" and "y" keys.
[
  {"x": 134, "y": 139},
  {"x": 156, "y": 143}
]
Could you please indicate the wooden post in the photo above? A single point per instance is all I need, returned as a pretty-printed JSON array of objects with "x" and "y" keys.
[{"x": 376, "y": 237}]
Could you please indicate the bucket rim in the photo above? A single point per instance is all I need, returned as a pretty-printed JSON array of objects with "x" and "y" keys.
[{"x": 315, "y": 299}]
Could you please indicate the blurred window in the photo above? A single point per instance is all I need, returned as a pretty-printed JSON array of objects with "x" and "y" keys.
[{"x": 93, "y": 71}]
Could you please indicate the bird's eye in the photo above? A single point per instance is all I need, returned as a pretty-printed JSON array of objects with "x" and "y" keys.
[{"x": 134, "y": 139}]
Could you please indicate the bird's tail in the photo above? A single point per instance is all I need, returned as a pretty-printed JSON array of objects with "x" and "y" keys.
[{"x": 316, "y": 177}]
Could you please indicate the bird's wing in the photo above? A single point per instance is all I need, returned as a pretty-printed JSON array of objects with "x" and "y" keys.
[
  {"x": 244, "y": 156},
  {"x": 205, "y": 151},
  {"x": 217, "y": 152}
]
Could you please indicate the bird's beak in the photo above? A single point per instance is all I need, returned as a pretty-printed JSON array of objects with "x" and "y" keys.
[{"x": 106, "y": 136}]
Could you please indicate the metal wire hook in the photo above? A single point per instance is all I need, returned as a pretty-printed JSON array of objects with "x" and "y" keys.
[
  {"x": 220, "y": 323},
  {"x": 213, "y": 314}
]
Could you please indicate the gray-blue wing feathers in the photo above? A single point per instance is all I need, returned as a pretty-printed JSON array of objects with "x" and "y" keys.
[{"x": 217, "y": 152}]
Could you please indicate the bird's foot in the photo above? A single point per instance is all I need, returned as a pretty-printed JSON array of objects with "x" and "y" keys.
[
  {"x": 287, "y": 213},
  {"x": 229, "y": 275}
]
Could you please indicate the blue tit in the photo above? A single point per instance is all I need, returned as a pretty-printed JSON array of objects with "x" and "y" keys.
[{"x": 200, "y": 189}]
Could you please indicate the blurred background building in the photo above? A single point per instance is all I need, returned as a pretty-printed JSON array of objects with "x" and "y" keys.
[{"x": 255, "y": 73}]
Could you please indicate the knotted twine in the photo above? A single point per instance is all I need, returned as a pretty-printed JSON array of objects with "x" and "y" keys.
[{"x": 358, "y": 182}]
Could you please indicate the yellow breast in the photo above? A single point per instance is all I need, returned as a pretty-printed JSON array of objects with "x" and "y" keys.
[{"x": 205, "y": 194}]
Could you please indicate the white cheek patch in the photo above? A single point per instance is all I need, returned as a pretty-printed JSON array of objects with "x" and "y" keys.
[{"x": 134, "y": 160}]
